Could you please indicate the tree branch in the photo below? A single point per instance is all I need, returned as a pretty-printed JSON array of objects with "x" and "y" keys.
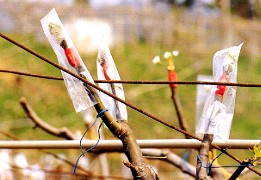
[
  {"x": 179, "y": 111},
  {"x": 123, "y": 131},
  {"x": 173, "y": 159},
  {"x": 119, "y": 129},
  {"x": 62, "y": 133},
  {"x": 130, "y": 146},
  {"x": 202, "y": 163}
]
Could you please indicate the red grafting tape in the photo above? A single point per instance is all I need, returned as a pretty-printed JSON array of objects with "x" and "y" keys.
[
  {"x": 105, "y": 71},
  {"x": 71, "y": 57},
  {"x": 222, "y": 88},
  {"x": 172, "y": 76}
]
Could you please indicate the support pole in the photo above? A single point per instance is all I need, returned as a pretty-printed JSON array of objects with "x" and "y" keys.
[{"x": 116, "y": 145}]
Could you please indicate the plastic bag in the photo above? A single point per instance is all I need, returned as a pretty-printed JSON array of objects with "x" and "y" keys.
[
  {"x": 217, "y": 113},
  {"x": 106, "y": 70},
  {"x": 202, "y": 94},
  {"x": 70, "y": 59}
]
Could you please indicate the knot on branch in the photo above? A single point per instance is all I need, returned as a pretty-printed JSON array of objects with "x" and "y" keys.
[
  {"x": 123, "y": 131},
  {"x": 142, "y": 171},
  {"x": 131, "y": 166}
]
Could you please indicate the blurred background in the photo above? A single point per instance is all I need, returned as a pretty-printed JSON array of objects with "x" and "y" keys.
[{"x": 138, "y": 31}]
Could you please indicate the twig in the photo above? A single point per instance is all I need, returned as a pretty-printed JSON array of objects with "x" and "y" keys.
[
  {"x": 48, "y": 171},
  {"x": 85, "y": 176},
  {"x": 179, "y": 111},
  {"x": 63, "y": 133},
  {"x": 171, "y": 158}
]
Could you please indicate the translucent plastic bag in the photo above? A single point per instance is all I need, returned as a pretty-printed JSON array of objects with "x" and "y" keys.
[
  {"x": 107, "y": 70},
  {"x": 70, "y": 59},
  {"x": 217, "y": 113},
  {"x": 202, "y": 94}
]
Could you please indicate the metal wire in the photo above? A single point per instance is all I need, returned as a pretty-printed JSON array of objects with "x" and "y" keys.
[{"x": 139, "y": 82}]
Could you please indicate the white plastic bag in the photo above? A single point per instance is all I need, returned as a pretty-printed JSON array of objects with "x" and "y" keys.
[
  {"x": 202, "y": 94},
  {"x": 217, "y": 114},
  {"x": 58, "y": 37},
  {"x": 107, "y": 70}
]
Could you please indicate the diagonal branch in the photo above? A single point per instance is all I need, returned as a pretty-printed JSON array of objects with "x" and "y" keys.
[{"x": 62, "y": 133}]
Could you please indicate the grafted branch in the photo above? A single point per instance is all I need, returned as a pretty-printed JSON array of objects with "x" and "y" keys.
[
  {"x": 130, "y": 146},
  {"x": 202, "y": 162}
]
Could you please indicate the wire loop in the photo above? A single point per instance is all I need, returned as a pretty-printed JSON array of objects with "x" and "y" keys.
[
  {"x": 210, "y": 165},
  {"x": 99, "y": 136}
]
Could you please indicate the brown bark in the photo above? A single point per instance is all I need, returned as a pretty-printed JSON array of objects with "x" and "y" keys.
[
  {"x": 173, "y": 159},
  {"x": 179, "y": 111},
  {"x": 132, "y": 150},
  {"x": 201, "y": 170},
  {"x": 63, "y": 133}
]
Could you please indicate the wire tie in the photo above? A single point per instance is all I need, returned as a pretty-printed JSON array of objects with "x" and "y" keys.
[
  {"x": 210, "y": 165},
  {"x": 99, "y": 136}
]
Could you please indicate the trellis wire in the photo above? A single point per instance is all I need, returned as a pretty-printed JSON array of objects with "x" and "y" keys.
[
  {"x": 139, "y": 82},
  {"x": 115, "y": 97}
]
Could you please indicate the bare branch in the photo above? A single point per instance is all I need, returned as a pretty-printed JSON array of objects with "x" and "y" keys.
[
  {"x": 179, "y": 111},
  {"x": 63, "y": 133},
  {"x": 202, "y": 163},
  {"x": 173, "y": 159}
]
